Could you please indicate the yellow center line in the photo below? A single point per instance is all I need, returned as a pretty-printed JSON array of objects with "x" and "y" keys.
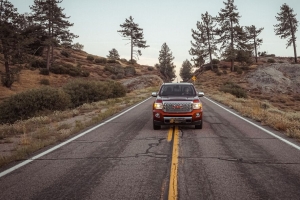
[
  {"x": 170, "y": 134},
  {"x": 174, "y": 167}
]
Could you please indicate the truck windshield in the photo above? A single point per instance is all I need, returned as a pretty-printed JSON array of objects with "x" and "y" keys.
[{"x": 177, "y": 90}]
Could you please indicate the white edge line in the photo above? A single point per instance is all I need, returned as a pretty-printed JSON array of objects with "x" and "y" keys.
[
  {"x": 261, "y": 128},
  {"x": 66, "y": 142}
]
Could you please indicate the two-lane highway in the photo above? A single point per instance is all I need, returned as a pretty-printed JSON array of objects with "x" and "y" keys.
[{"x": 124, "y": 158}]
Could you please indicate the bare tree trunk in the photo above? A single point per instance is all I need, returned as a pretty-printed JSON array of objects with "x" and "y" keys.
[
  {"x": 231, "y": 47},
  {"x": 255, "y": 49}
]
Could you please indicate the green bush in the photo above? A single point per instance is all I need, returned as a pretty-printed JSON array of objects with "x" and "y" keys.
[
  {"x": 82, "y": 91},
  {"x": 90, "y": 58},
  {"x": 117, "y": 69},
  {"x": 271, "y": 60},
  {"x": 44, "y": 81},
  {"x": 44, "y": 71},
  {"x": 69, "y": 69},
  {"x": 113, "y": 77},
  {"x": 112, "y": 61},
  {"x": 8, "y": 79},
  {"x": 120, "y": 76},
  {"x": 65, "y": 53},
  {"x": 233, "y": 89},
  {"x": 129, "y": 71},
  {"x": 101, "y": 60},
  {"x": 215, "y": 61},
  {"x": 150, "y": 68},
  {"x": 38, "y": 64},
  {"x": 27, "y": 104},
  {"x": 239, "y": 70}
]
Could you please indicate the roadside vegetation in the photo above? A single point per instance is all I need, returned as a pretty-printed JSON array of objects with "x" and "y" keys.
[
  {"x": 24, "y": 137},
  {"x": 262, "y": 111}
]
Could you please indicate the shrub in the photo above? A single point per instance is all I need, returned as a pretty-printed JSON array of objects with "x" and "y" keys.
[
  {"x": 69, "y": 69},
  {"x": 65, "y": 53},
  {"x": 44, "y": 71},
  {"x": 112, "y": 61},
  {"x": 129, "y": 71},
  {"x": 27, "y": 104},
  {"x": 120, "y": 76},
  {"x": 82, "y": 91},
  {"x": 101, "y": 60},
  {"x": 38, "y": 64},
  {"x": 215, "y": 61},
  {"x": 44, "y": 81},
  {"x": 239, "y": 70},
  {"x": 150, "y": 68},
  {"x": 114, "y": 69},
  {"x": 233, "y": 89},
  {"x": 8, "y": 79},
  {"x": 271, "y": 60},
  {"x": 90, "y": 58},
  {"x": 113, "y": 77}
]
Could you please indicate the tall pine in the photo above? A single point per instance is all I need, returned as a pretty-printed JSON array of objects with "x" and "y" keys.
[
  {"x": 54, "y": 22},
  {"x": 186, "y": 70},
  {"x": 252, "y": 34},
  {"x": 132, "y": 32},
  {"x": 166, "y": 65},
  {"x": 9, "y": 38},
  {"x": 232, "y": 37},
  {"x": 287, "y": 26},
  {"x": 205, "y": 44}
]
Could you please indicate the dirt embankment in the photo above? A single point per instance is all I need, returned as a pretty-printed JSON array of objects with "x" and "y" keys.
[{"x": 277, "y": 77}]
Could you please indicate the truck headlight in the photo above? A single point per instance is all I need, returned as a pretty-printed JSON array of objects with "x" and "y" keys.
[
  {"x": 158, "y": 106},
  {"x": 197, "y": 105}
]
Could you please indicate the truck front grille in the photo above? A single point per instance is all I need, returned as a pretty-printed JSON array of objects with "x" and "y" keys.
[{"x": 176, "y": 107}]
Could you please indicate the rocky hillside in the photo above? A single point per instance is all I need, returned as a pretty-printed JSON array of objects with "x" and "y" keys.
[
  {"x": 273, "y": 79},
  {"x": 132, "y": 75}
]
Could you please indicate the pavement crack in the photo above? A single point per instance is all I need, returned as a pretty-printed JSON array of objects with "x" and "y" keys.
[{"x": 244, "y": 161}]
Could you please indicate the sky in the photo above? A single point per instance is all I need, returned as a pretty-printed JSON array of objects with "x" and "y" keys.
[{"x": 96, "y": 22}]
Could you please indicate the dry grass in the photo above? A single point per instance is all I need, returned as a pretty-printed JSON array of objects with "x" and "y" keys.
[
  {"x": 33, "y": 134},
  {"x": 262, "y": 111}
]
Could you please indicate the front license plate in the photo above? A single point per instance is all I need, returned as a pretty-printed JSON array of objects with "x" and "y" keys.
[{"x": 177, "y": 120}]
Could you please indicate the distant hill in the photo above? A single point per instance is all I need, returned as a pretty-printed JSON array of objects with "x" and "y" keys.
[{"x": 119, "y": 70}]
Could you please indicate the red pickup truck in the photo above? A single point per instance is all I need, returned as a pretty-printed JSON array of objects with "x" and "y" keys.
[{"x": 177, "y": 103}]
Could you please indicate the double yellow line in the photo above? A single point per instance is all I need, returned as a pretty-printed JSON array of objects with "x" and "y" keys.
[{"x": 173, "y": 193}]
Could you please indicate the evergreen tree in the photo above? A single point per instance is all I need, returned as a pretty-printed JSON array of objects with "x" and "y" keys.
[
  {"x": 166, "y": 66},
  {"x": 252, "y": 34},
  {"x": 232, "y": 36},
  {"x": 186, "y": 70},
  {"x": 78, "y": 46},
  {"x": 204, "y": 45},
  {"x": 9, "y": 38},
  {"x": 287, "y": 26},
  {"x": 113, "y": 54},
  {"x": 132, "y": 32},
  {"x": 54, "y": 22}
]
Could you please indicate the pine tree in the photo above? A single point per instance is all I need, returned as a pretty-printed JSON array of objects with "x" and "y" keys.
[
  {"x": 166, "y": 66},
  {"x": 252, "y": 34},
  {"x": 232, "y": 36},
  {"x": 9, "y": 38},
  {"x": 287, "y": 26},
  {"x": 113, "y": 54},
  {"x": 132, "y": 32},
  {"x": 186, "y": 70},
  {"x": 205, "y": 44},
  {"x": 54, "y": 22}
]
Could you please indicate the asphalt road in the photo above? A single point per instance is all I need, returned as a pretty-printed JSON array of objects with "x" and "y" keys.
[{"x": 126, "y": 159}]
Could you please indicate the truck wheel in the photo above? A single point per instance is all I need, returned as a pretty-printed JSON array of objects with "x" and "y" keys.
[
  {"x": 156, "y": 127},
  {"x": 198, "y": 126}
]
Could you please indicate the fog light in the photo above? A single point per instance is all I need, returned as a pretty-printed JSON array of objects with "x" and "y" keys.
[
  {"x": 197, "y": 115},
  {"x": 157, "y": 115}
]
